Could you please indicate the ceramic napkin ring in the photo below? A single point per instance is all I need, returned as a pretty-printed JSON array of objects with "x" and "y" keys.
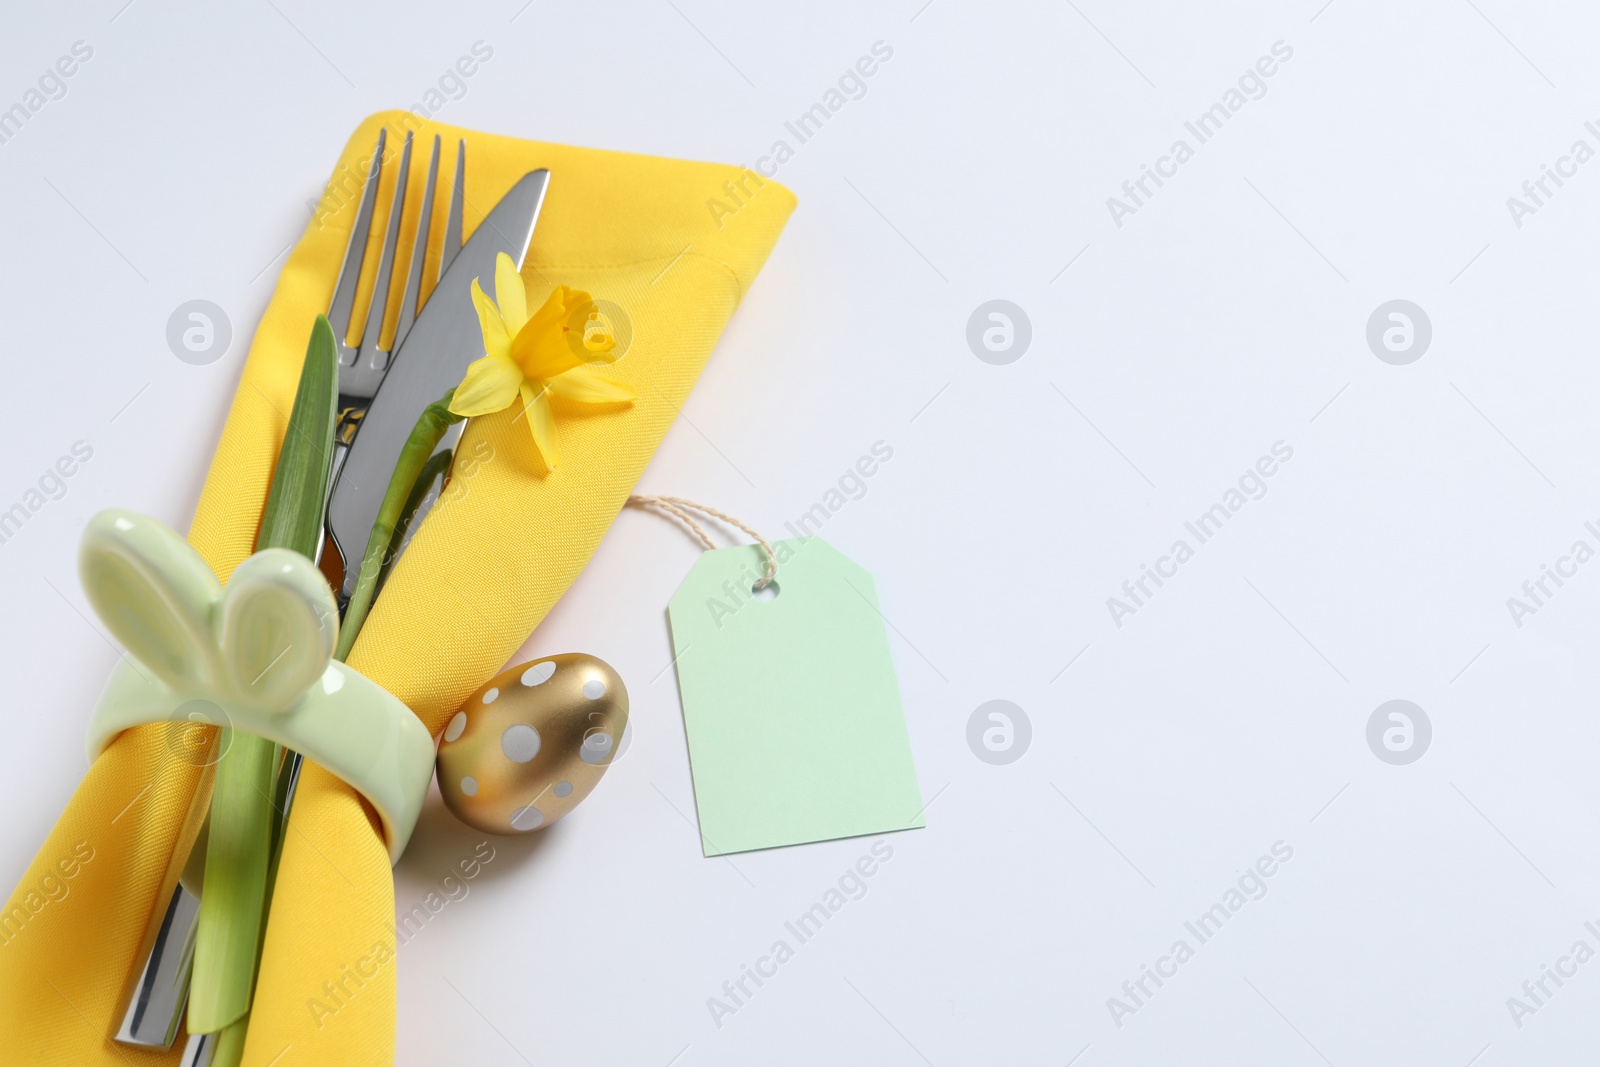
[{"x": 256, "y": 656}]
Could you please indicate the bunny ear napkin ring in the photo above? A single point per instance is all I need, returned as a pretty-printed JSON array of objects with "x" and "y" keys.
[{"x": 255, "y": 657}]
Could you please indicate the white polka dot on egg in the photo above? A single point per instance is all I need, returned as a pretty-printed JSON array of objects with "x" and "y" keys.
[
  {"x": 595, "y": 748},
  {"x": 520, "y": 742},
  {"x": 528, "y": 818},
  {"x": 539, "y": 673},
  {"x": 469, "y": 786},
  {"x": 594, "y": 689},
  {"x": 488, "y": 698},
  {"x": 457, "y": 724}
]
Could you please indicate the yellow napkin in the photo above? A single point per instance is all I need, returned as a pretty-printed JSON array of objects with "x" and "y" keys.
[{"x": 663, "y": 239}]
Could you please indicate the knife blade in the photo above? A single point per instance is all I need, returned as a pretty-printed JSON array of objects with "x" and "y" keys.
[{"x": 434, "y": 357}]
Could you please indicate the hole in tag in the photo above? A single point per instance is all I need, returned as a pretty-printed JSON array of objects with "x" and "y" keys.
[{"x": 765, "y": 592}]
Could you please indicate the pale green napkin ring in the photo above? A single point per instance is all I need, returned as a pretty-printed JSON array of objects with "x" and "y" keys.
[
  {"x": 346, "y": 723},
  {"x": 254, "y": 657}
]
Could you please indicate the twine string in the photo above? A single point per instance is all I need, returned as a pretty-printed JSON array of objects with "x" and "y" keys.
[{"x": 679, "y": 508}]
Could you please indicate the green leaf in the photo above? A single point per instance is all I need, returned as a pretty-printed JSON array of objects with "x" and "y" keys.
[
  {"x": 293, "y": 516},
  {"x": 237, "y": 855},
  {"x": 240, "y": 850}
]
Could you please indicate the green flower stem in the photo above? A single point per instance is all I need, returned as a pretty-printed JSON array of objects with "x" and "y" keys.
[
  {"x": 239, "y": 852},
  {"x": 398, "y": 506},
  {"x": 438, "y": 466},
  {"x": 230, "y": 1044}
]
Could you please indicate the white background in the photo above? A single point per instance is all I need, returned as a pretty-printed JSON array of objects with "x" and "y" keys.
[{"x": 1227, "y": 314}]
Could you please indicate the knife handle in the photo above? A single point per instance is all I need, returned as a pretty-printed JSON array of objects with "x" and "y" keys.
[{"x": 152, "y": 1003}]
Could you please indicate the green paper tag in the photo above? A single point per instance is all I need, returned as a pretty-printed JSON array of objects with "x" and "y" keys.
[{"x": 793, "y": 713}]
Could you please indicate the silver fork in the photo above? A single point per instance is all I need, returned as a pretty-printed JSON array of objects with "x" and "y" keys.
[
  {"x": 362, "y": 366},
  {"x": 154, "y": 1000}
]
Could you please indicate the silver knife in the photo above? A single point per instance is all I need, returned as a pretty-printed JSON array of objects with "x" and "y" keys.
[{"x": 433, "y": 358}]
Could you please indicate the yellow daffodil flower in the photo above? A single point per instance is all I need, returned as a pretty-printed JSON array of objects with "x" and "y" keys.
[{"x": 536, "y": 357}]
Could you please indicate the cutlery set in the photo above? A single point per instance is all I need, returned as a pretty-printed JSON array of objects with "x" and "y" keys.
[
  {"x": 382, "y": 391},
  {"x": 309, "y": 693}
]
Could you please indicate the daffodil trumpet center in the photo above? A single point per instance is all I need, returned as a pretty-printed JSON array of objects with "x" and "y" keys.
[{"x": 537, "y": 357}]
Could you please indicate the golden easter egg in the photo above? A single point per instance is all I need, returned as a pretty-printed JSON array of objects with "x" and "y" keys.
[{"x": 527, "y": 747}]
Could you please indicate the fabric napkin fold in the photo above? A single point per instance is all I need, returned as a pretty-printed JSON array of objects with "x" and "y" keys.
[{"x": 662, "y": 240}]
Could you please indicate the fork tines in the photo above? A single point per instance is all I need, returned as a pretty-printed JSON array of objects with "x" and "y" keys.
[{"x": 362, "y": 365}]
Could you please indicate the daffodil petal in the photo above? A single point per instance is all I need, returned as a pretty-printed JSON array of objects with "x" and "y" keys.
[
  {"x": 585, "y": 386},
  {"x": 541, "y": 421},
  {"x": 496, "y": 340},
  {"x": 491, "y": 384},
  {"x": 509, "y": 294}
]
